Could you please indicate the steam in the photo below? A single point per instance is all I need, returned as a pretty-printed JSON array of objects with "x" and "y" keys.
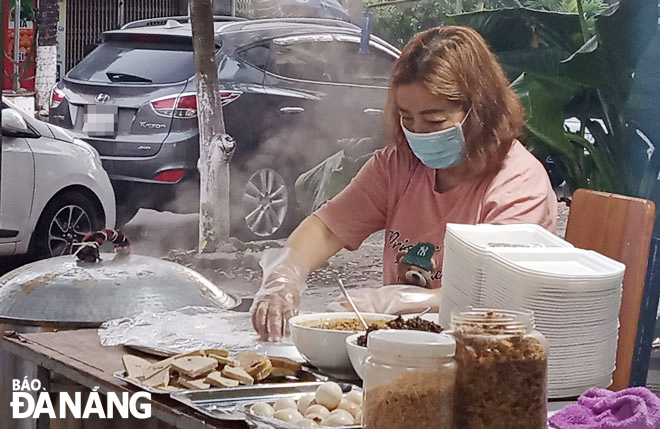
[
  {"x": 293, "y": 143},
  {"x": 154, "y": 233}
]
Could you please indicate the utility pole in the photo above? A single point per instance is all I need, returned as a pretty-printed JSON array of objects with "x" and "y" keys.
[{"x": 215, "y": 146}]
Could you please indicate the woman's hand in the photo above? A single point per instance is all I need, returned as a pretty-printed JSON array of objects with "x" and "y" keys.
[
  {"x": 285, "y": 271},
  {"x": 278, "y": 298}
]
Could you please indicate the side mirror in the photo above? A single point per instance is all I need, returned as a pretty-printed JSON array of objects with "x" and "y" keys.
[{"x": 13, "y": 122}]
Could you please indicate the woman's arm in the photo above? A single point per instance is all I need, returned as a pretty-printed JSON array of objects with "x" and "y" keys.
[
  {"x": 285, "y": 273},
  {"x": 313, "y": 242}
]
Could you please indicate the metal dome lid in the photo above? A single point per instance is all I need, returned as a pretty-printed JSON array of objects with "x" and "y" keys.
[{"x": 64, "y": 290}]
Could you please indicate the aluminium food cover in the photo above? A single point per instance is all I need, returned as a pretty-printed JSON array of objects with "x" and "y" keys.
[{"x": 66, "y": 290}]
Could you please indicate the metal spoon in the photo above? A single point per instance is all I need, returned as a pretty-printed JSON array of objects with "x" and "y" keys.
[
  {"x": 426, "y": 310},
  {"x": 351, "y": 303}
]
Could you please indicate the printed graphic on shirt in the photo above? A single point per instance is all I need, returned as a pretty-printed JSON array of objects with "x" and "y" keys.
[{"x": 415, "y": 263}]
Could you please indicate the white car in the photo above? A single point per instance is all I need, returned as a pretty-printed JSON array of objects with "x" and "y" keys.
[{"x": 53, "y": 189}]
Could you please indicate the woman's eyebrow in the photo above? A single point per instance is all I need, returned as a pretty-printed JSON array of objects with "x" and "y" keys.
[{"x": 432, "y": 111}]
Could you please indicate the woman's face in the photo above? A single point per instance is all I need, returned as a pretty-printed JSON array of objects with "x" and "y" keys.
[{"x": 423, "y": 112}]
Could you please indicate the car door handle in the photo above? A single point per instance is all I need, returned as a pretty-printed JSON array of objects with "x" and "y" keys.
[
  {"x": 292, "y": 110},
  {"x": 373, "y": 111}
]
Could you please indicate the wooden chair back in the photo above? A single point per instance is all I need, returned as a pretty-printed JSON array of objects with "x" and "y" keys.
[{"x": 620, "y": 228}]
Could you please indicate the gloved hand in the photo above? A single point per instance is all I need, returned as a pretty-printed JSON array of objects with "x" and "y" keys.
[
  {"x": 393, "y": 299},
  {"x": 278, "y": 298}
]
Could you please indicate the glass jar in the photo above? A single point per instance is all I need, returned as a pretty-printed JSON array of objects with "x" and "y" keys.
[
  {"x": 502, "y": 370},
  {"x": 409, "y": 379}
]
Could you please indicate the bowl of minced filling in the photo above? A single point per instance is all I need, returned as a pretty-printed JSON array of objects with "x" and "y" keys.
[
  {"x": 321, "y": 337},
  {"x": 356, "y": 344}
]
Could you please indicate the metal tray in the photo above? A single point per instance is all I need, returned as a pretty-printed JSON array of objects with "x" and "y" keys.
[
  {"x": 269, "y": 422},
  {"x": 305, "y": 375},
  {"x": 229, "y": 404},
  {"x": 153, "y": 351}
]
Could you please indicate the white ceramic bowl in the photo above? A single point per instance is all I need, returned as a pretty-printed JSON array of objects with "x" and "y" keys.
[
  {"x": 326, "y": 348},
  {"x": 356, "y": 354}
]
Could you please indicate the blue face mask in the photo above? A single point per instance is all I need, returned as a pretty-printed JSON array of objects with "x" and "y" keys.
[{"x": 440, "y": 149}]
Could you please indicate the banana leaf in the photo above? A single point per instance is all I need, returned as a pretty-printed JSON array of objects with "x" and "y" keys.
[
  {"x": 526, "y": 40},
  {"x": 522, "y": 28},
  {"x": 608, "y": 60}
]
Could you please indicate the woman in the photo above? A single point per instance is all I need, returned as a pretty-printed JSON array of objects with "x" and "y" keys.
[{"x": 453, "y": 157}]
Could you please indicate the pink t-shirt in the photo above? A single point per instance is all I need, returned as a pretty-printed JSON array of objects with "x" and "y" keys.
[{"x": 395, "y": 191}]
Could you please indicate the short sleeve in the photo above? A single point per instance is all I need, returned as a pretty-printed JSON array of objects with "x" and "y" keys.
[
  {"x": 360, "y": 209},
  {"x": 521, "y": 193}
]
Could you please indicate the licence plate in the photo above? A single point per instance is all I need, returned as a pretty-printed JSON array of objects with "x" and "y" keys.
[{"x": 100, "y": 120}]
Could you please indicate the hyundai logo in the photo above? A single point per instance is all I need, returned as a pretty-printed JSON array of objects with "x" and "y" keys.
[{"x": 102, "y": 98}]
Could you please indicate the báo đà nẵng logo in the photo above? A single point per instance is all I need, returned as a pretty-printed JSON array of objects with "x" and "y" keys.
[{"x": 29, "y": 400}]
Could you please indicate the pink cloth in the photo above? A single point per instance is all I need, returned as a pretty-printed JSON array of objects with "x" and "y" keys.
[
  {"x": 632, "y": 408},
  {"x": 395, "y": 191}
]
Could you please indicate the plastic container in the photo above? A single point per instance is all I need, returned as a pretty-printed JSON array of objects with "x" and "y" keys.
[
  {"x": 502, "y": 370},
  {"x": 468, "y": 250},
  {"x": 409, "y": 380}
]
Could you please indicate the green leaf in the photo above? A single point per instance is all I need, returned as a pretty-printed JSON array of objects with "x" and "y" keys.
[
  {"x": 543, "y": 103},
  {"x": 625, "y": 30},
  {"x": 542, "y": 61},
  {"x": 522, "y": 28},
  {"x": 608, "y": 59}
]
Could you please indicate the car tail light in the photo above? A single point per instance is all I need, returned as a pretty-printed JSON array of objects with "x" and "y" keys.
[
  {"x": 56, "y": 98},
  {"x": 185, "y": 105},
  {"x": 170, "y": 176}
]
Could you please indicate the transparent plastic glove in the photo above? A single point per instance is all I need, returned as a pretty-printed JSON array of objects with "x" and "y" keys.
[
  {"x": 393, "y": 299},
  {"x": 278, "y": 299}
]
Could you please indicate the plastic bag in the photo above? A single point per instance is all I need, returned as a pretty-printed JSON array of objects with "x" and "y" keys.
[{"x": 392, "y": 299}]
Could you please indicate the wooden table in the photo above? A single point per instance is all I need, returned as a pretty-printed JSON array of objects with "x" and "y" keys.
[{"x": 79, "y": 357}]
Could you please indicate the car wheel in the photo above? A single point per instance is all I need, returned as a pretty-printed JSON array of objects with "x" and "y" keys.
[
  {"x": 64, "y": 222},
  {"x": 264, "y": 205}
]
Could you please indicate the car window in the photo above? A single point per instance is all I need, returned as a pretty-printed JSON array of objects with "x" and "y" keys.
[
  {"x": 330, "y": 61},
  {"x": 306, "y": 60},
  {"x": 372, "y": 68},
  {"x": 256, "y": 55},
  {"x": 136, "y": 63}
]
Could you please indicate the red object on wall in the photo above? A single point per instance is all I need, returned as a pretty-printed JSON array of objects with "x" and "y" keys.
[{"x": 27, "y": 49}]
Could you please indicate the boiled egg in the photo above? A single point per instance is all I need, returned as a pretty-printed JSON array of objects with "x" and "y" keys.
[{"x": 329, "y": 395}]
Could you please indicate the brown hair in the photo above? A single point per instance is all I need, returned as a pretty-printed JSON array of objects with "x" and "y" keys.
[{"x": 457, "y": 63}]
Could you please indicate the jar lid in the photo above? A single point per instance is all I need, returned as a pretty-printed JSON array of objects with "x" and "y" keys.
[{"x": 410, "y": 344}]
